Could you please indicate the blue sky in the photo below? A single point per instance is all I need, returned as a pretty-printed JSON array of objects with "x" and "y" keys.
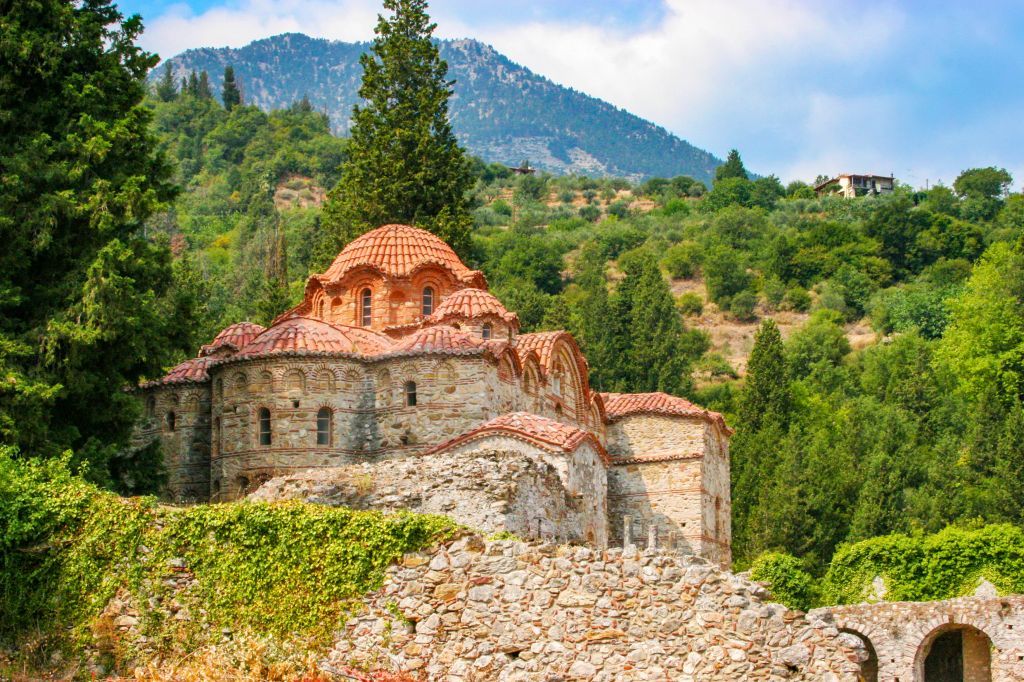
[{"x": 922, "y": 89}]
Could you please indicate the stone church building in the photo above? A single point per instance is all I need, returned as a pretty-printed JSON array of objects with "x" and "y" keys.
[{"x": 399, "y": 353}]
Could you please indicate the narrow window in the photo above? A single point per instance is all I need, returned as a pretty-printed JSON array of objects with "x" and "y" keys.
[
  {"x": 220, "y": 389},
  {"x": 485, "y": 331},
  {"x": 556, "y": 384},
  {"x": 428, "y": 301},
  {"x": 366, "y": 307},
  {"x": 323, "y": 426},
  {"x": 264, "y": 426},
  {"x": 216, "y": 434},
  {"x": 171, "y": 419},
  {"x": 410, "y": 393},
  {"x": 150, "y": 406}
]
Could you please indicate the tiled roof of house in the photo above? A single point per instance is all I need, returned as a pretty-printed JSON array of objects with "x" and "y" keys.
[
  {"x": 192, "y": 370},
  {"x": 471, "y": 303},
  {"x": 618, "y": 405},
  {"x": 305, "y": 336},
  {"x": 545, "y": 433},
  {"x": 236, "y": 335},
  {"x": 398, "y": 251},
  {"x": 543, "y": 344},
  {"x": 439, "y": 339}
]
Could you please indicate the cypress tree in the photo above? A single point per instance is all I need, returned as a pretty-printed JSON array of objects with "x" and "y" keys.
[
  {"x": 166, "y": 88},
  {"x": 203, "y": 89},
  {"x": 191, "y": 84},
  {"x": 766, "y": 395},
  {"x": 732, "y": 168},
  {"x": 230, "y": 94},
  {"x": 403, "y": 161}
]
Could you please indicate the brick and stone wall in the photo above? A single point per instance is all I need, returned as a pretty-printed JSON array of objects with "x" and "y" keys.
[
  {"x": 511, "y": 487},
  {"x": 896, "y": 638},
  {"x": 177, "y": 416},
  {"x": 502, "y": 610},
  {"x": 670, "y": 473}
]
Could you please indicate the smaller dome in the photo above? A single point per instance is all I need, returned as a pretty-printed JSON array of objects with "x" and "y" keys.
[
  {"x": 439, "y": 339},
  {"x": 236, "y": 336},
  {"x": 302, "y": 335},
  {"x": 472, "y": 303},
  {"x": 193, "y": 370}
]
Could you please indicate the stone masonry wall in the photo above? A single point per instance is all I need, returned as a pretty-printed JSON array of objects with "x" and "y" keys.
[
  {"x": 184, "y": 439},
  {"x": 502, "y": 610},
  {"x": 900, "y": 635},
  {"x": 671, "y": 473},
  {"x": 489, "y": 490}
]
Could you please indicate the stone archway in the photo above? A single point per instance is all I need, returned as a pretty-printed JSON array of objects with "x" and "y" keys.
[
  {"x": 954, "y": 653},
  {"x": 867, "y": 656}
]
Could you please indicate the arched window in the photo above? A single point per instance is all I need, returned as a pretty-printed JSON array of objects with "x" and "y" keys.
[
  {"x": 264, "y": 426},
  {"x": 171, "y": 421},
  {"x": 216, "y": 435},
  {"x": 428, "y": 300},
  {"x": 365, "y": 307},
  {"x": 219, "y": 384},
  {"x": 410, "y": 393},
  {"x": 556, "y": 384},
  {"x": 151, "y": 406},
  {"x": 485, "y": 331},
  {"x": 323, "y": 426}
]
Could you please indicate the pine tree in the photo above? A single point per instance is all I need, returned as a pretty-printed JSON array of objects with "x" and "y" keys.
[
  {"x": 230, "y": 94},
  {"x": 732, "y": 168},
  {"x": 403, "y": 161},
  {"x": 166, "y": 88},
  {"x": 766, "y": 395}
]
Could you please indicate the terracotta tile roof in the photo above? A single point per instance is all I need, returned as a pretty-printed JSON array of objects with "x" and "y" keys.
[
  {"x": 472, "y": 303},
  {"x": 193, "y": 370},
  {"x": 304, "y": 336},
  {"x": 398, "y": 251},
  {"x": 547, "y": 434},
  {"x": 236, "y": 335},
  {"x": 543, "y": 344},
  {"x": 618, "y": 405},
  {"x": 439, "y": 339}
]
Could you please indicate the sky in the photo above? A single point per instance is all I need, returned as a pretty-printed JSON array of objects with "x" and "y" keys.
[{"x": 921, "y": 89}]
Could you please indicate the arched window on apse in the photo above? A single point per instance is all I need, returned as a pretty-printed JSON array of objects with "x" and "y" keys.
[
  {"x": 365, "y": 307},
  {"x": 171, "y": 421},
  {"x": 485, "y": 331},
  {"x": 410, "y": 393},
  {"x": 323, "y": 426},
  {"x": 266, "y": 437},
  {"x": 151, "y": 406},
  {"x": 428, "y": 300}
]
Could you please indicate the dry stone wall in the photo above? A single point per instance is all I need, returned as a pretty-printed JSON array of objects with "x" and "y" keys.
[
  {"x": 515, "y": 490},
  {"x": 503, "y": 610}
]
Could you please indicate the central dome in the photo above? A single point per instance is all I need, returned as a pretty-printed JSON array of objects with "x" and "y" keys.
[{"x": 397, "y": 251}]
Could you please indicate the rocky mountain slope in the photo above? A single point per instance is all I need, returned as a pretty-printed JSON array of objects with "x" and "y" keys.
[{"x": 501, "y": 111}]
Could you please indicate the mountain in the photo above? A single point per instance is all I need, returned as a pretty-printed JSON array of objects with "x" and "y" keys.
[{"x": 501, "y": 111}]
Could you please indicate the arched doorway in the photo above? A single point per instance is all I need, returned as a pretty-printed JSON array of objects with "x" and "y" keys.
[
  {"x": 954, "y": 653},
  {"x": 867, "y": 654}
]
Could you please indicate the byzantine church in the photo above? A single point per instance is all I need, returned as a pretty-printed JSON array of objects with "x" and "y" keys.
[{"x": 399, "y": 351}]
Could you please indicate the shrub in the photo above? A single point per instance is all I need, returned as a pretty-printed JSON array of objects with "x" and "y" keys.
[
  {"x": 690, "y": 303},
  {"x": 619, "y": 209},
  {"x": 717, "y": 366},
  {"x": 590, "y": 213},
  {"x": 682, "y": 260},
  {"x": 788, "y": 582},
  {"x": 797, "y": 298},
  {"x": 502, "y": 207},
  {"x": 774, "y": 292},
  {"x": 742, "y": 306}
]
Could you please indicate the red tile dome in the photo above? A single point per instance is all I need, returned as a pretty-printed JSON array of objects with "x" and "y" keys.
[
  {"x": 302, "y": 335},
  {"x": 439, "y": 339},
  {"x": 236, "y": 335},
  {"x": 398, "y": 251},
  {"x": 472, "y": 303}
]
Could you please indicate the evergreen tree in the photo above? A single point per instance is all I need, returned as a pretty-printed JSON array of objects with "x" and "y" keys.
[
  {"x": 230, "y": 94},
  {"x": 88, "y": 305},
  {"x": 766, "y": 395},
  {"x": 403, "y": 161},
  {"x": 203, "y": 89},
  {"x": 732, "y": 168},
  {"x": 166, "y": 88},
  {"x": 191, "y": 86},
  {"x": 591, "y": 319}
]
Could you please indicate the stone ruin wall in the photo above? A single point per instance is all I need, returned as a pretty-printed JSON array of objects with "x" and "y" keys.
[
  {"x": 685, "y": 499},
  {"x": 504, "y": 610},
  {"x": 507, "y": 486},
  {"x": 897, "y": 636}
]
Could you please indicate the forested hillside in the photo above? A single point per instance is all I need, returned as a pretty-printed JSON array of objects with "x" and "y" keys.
[
  {"x": 920, "y": 427},
  {"x": 501, "y": 111}
]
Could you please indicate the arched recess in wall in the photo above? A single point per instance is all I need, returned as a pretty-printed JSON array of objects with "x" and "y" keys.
[
  {"x": 954, "y": 651},
  {"x": 295, "y": 381},
  {"x": 239, "y": 383},
  {"x": 869, "y": 657}
]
